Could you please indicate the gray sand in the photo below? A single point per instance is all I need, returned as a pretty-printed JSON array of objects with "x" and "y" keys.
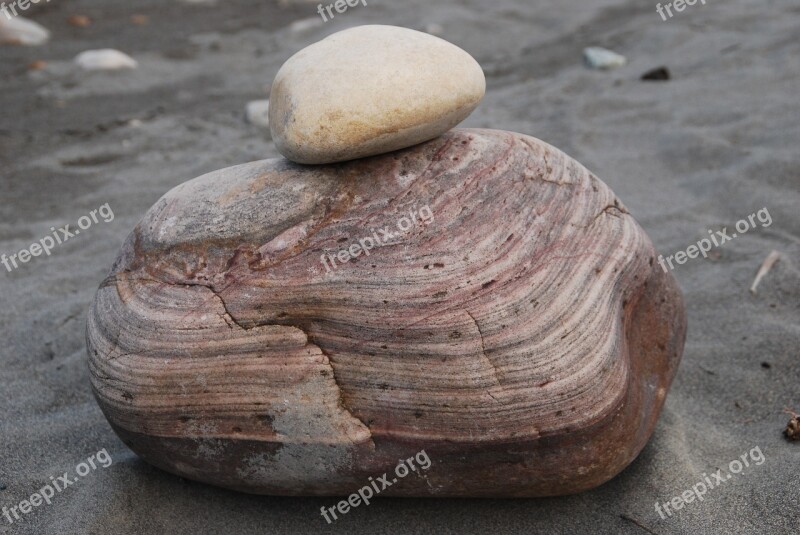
[{"x": 713, "y": 145}]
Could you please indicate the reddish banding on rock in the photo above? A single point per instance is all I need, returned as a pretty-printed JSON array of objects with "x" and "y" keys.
[{"x": 524, "y": 337}]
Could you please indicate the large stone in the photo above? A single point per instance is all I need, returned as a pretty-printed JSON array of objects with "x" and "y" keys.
[
  {"x": 370, "y": 90},
  {"x": 516, "y": 325}
]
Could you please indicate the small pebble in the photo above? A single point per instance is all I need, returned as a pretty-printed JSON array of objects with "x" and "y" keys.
[
  {"x": 658, "y": 74},
  {"x": 80, "y": 21},
  {"x": 20, "y": 31},
  {"x": 602, "y": 58},
  {"x": 140, "y": 20},
  {"x": 106, "y": 59},
  {"x": 434, "y": 29},
  {"x": 258, "y": 113},
  {"x": 792, "y": 431}
]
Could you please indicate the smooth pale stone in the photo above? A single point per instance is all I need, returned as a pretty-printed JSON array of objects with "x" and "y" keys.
[
  {"x": 602, "y": 58},
  {"x": 258, "y": 113},
  {"x": 20, "y": 31},
  {"x": 370, "y": 90},
  {"x": 106, "y": 59}
]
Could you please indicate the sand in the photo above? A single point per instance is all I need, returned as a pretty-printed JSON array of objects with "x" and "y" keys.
[{"x": 699, "y": 152}]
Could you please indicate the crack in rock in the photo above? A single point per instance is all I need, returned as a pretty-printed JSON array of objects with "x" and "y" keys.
[
  {"x": 329, "y": 361},
  {"x": 230, "y": 320},
  {"x": 483, "y": 352}
]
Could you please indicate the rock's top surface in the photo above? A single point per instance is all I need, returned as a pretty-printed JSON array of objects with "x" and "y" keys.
[{"x": 370, "y": 90}]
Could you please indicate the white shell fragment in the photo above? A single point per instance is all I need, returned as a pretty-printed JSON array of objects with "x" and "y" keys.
[
  {"x": 304, "y": 25},
  {"x": 602, "y": 58},
  {"x": 106, "y": 59},
  {"x": 20, "y": 31},
  {"x": 773, "y": 257},
  {"x": 258, "y": 113}
]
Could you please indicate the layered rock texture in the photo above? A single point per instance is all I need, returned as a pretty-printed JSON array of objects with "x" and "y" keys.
[{"x": 524, "y": 335}]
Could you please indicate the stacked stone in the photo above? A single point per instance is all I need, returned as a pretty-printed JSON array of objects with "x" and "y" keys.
[
  {"x": 475, "y": 298},
  {"x": 370, "y": 90}
]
